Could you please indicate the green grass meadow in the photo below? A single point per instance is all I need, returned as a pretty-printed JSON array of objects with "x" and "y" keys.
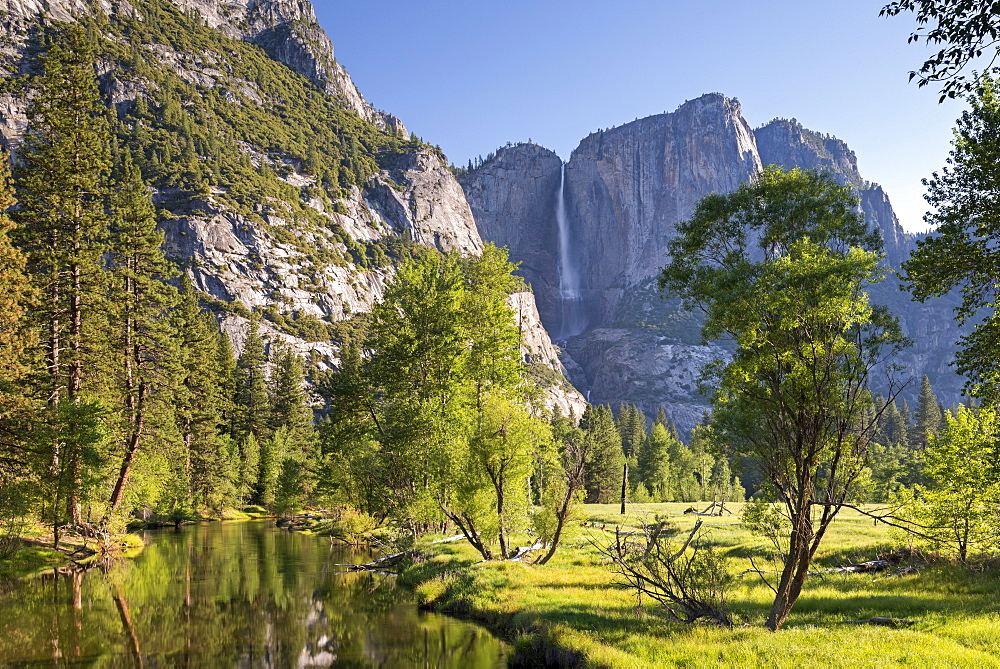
[{"x": 571, "y": 610}]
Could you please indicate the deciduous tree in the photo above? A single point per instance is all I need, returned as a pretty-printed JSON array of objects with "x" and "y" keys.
[{"x": 780, "y": 266}]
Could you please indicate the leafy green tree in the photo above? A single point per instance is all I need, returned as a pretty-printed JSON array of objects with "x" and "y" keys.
[
  {"x": 247, "y": 452},
  {"x": 962, "y": 252},
  {"x": 780, "y": 267},
  {"x": 492, "y": 496},
  {"x": 562, "y": 485},
  {"x": 703, "y": 460},
  {"x": 62, "y": 184},
  {"x": 444, "y": 397},
  {"x": 494, "y": 356},
  {"x": 958, "y": 508},
  {"x": 274, "y": 451},
  {"x": 606, "y": 462},
  {"x": 966, "y": 30},
  {"x": 420, "y": 347}
]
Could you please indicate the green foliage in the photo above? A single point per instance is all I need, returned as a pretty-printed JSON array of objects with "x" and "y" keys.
[
  {"x": 655, "y": 471},
  {"x": 962, "y": 253},
  {"x": 62, "y": 185},
  {"x": 957, "y": 510},
  {"x": 966, "y": 29},
  {"x": 16, "y": 339},
  {"x": 605, "y": 464},
  {"x": 780, "y": 267},
  {"x": 437, "y": 423},
  {"x": 252, "y": 410}
]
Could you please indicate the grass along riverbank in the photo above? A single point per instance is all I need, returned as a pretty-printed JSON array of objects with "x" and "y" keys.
[{"x": 571, "y": 610}]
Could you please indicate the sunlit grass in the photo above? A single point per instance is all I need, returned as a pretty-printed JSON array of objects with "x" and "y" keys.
[{"x": 575, "y": 605}]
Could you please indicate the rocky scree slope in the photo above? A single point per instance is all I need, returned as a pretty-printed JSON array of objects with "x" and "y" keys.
[
  {"x": 625, "y": 189},
  {"x": 280, "y": 189}
]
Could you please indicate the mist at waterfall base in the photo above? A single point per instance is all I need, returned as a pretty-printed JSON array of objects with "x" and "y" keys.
[{"x": 572, "y": 318}]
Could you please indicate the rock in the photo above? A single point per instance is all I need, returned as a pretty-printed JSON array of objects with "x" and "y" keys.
[
  {"x": 520, "y": 184},
  {"x": 420, "y": 197},
  {"x": 625, "y": 190}
]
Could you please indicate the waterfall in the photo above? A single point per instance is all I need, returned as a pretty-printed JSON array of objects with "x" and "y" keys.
[{"x": 570, "y": 295}]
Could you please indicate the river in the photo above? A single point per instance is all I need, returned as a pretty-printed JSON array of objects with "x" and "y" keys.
[{"x": 240, "y": 594}]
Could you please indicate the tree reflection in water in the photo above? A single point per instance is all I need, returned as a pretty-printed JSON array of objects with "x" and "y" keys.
[{"x": 231, "y": 594}]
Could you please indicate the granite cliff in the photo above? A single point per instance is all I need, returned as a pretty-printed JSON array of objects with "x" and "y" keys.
[
  {"x": 623, "y": 192},
  {"x": 281, "y": 190}
]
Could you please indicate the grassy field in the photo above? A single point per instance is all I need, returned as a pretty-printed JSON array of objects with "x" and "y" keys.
[{"x": 571, "y": 611}]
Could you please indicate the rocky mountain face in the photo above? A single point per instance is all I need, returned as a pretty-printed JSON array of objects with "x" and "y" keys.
[
  {"x": 623, "y": 192},
  {"x": 309, "y": 239}
]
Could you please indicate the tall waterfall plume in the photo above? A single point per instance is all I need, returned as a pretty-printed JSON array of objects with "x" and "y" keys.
[{"x": 570, "y": 293}]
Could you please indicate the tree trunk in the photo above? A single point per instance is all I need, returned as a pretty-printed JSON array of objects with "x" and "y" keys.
[
  {"x": 118, "y": 494},
  {"x": 624, "y": 484},
  {"x": 796, "y": 568},
  {"x": 73, "y": 507}
]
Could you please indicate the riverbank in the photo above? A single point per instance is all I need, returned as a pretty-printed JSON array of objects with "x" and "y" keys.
[
  {"x": 571, "y": 612},
  {"x": 34, "y": 554}
]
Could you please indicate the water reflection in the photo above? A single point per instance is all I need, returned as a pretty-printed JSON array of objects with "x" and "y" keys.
[{"x": 240, "y": 594}]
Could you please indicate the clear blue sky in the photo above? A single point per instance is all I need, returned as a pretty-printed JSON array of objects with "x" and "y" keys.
[{"x": 471, "y": 76}]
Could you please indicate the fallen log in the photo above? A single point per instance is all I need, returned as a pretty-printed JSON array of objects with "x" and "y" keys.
[
  {"x": 375, "y": 565},
  {"x": 861, "y": 567},
  {"x": 885, "y": 622},
  {"x": 520, "y": 552}
]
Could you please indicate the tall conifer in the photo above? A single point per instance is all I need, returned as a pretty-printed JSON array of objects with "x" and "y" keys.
[
  {"x": 142, "y": 338},
  {"x": 927, "y": 417},
  {"x": 603, "y": 476},
  {"x": 252, "y": 407},
  {"x": 16, "y": 295},
  {"x": 200, "y": 398},
  {"x": 62, "y": 181}
]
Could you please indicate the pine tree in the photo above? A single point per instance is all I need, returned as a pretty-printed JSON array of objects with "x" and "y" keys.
[
  {"x": 927, "y": 418},
  {"x": 143, "y": 340},
  {"x": 252, "y": 411},
  {"x": 290, "y": 413},
  {"x": 661, "y": 417},
  {"x": 201, "y": 396},
  {"x": 16, "y": 408},
  {"x": 603, "y": 477},
  {"x": 62, "y": 183},
  {"x": 631, "y": 425},
  {"x": 654, "y": 467},
  {"x": 289, "y": 406}
]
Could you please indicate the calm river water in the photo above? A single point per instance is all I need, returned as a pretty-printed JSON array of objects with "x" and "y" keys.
[{"x": 231, "y": 595}]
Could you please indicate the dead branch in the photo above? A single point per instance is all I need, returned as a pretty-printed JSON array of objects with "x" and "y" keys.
[{"x": 688, "y": 583}]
